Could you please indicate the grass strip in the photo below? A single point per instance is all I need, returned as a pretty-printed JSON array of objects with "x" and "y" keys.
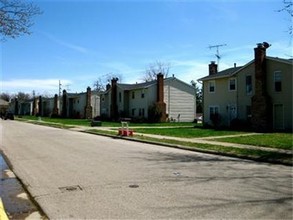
[
  {"x": 187, "y": 132},
  {"x": 272, "y": 140},
  {"x": 254, "y": 154},
  {"x": 87, "y": 122},
  {"x": 50, "y": 124}
]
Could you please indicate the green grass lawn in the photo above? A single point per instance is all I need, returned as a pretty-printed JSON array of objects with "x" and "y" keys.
[
  {"x": 64, "y": 121},
  {"x": 186, "y": 132},
  {"x": 260, "y": 155},
  {"x": 86, "y": 122},
  {"x": 273, "y": 140}
]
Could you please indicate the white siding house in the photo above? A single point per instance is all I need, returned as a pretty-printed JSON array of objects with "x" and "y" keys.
[{"x": 134, "y": 100}]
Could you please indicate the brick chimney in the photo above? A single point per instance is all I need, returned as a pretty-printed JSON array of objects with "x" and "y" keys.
[
  {"x": 160, "y": 97},
  {"x": 88, "y": 109},
  {"x": 213, "y": 68},
  {"x": 160, "y": 87},
  {"x": 55, "y": 109},
  {"x": 64, "y": 104},
  {"x": 108, "y": 86},
  {"x": 114, "y": 107},
  {"x": 261, "y": 120},
  {"x": 40, "y": 106}
]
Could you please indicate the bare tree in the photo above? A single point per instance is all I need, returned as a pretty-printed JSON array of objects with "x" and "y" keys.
[
  {"x": 21, "y": 96},
  {"x": 288, "y": 7},
  {"x": 154, "y": 69},
  {"x": 5, "y": 96},
  {"x": 100, "y": 84},
  {"x": 16, "y": 17}
]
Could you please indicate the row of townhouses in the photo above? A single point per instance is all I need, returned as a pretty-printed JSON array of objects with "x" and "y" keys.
[
  {"x": 257, "y": 94},
  {"x": 68, "y": 105},
  {"x": 176, "y": 98}
]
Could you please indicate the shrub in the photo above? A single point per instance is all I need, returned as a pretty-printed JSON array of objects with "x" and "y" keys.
[
  {"x": 216, "y": 119},
  {"x": 154, "y": 114}
]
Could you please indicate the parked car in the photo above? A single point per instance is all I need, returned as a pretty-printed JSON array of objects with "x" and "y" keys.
[{"x": 9, "y": 115}]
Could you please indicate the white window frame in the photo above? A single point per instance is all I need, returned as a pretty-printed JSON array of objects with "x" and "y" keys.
[
  {"x": 229, "y": 84},
  {"x": 246, "y": 91},
  {"x": 280, "y": 75},
  {"x": 213, "y": 107},
  {"x": 214, "y": 85}
]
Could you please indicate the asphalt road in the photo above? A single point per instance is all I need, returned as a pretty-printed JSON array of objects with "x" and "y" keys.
[{"x": 77, "y": 175}]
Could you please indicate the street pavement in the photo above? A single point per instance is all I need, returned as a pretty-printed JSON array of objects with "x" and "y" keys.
[{"x": 77, "y": 176}]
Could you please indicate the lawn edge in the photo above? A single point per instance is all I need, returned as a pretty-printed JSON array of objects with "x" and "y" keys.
[{"x": 194, "y": 149}]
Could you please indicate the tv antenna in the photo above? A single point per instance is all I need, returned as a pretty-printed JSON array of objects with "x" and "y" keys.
[{"x": 218, "y": 53}]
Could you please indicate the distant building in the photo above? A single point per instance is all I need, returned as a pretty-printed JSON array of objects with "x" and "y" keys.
[
  {"x": 69, "y": 105},
  {"x": 3, "y": 106},
  {"x": 258, "y": 94},
  {"x": 174, "y": 97}
]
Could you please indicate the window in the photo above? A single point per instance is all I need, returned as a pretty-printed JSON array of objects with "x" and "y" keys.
[
  {"x": 278, "y": 81},
  {"x": 232, "y": 84},
  {"x": 141, "y": 112},
  {"x": 248, "y": 84},
  {"x": 212, "y": 86},
  {"x": 133, "y": 95},
  {"x": 142, "y": 95},
  {"x": 213, "y": 111}
]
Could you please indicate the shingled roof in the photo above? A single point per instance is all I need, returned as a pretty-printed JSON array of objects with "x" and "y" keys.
[
  {"x": 231, "y": 71},
  {"x": 136, "y": 86},
  {"x": 222, "y": 74}
]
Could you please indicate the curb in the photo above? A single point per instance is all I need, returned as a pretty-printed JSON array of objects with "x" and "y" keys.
[
  {"x": 3, "y": 215},
  {"x": 194, "y": 149}
]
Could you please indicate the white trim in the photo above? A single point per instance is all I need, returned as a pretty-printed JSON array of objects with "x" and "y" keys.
[
  {"x": 213, "y": 106},
  {"x": 248, "y": 94},
  {"x": 229, "y": 81},
  {"x": 214, "y": 82},
  {"x": 274, "y": 80}
]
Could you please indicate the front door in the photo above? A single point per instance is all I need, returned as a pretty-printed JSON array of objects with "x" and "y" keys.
[{"x": 232, "y": 112}]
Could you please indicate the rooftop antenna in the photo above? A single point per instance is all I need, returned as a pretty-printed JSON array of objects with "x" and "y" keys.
[{"x": 218, "y": 53}]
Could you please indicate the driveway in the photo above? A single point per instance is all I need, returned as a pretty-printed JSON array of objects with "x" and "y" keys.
[{"x": 78, "y": 175}]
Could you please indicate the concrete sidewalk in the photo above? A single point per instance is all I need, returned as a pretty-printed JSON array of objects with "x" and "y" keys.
[{"x": 202, "y": 140}]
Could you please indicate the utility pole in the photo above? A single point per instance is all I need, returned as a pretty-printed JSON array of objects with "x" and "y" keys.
[
  {"x": 59, "y": 103},
  {"x": 60, "y": 88},
  {"x": 218, "y": 53}
]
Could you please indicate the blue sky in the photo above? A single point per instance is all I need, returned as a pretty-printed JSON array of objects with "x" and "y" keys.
[{"x": 78, "y": 42}]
